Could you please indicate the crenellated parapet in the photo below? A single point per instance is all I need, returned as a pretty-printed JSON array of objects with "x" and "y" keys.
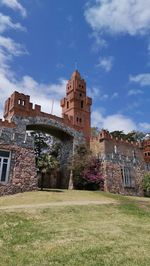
[
  {"x": 18, "y": 104},
  {"x": 105, "y": 135}
]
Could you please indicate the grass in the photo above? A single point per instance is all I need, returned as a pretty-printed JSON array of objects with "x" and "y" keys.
[{"x": 114, "y": 234}]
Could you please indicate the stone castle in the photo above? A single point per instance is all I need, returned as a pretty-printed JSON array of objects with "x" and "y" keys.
[{"x": 124, "y": 163}]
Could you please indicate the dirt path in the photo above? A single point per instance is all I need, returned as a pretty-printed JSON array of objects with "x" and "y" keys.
[{"x": 52, "y": 204}]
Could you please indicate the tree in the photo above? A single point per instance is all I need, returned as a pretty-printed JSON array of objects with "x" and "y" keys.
[
  {"x": 94, "y": 132},
  {"x": 118, "y": 134},
  {"x": 46, "y": 163}
]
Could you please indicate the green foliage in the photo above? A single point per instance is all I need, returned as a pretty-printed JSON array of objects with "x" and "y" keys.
[
  {"x": 131, "y": 136},
  {"x": 45, "y": 143},
  {"x": 94, "y": 131},
  {"x": 147, "y": 184},
  {"x": 46, "y": 163}
]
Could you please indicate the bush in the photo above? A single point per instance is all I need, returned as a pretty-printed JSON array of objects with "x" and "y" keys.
[
  {"x": 87, "y": 170},
  {"x": 147, "y": 185}
]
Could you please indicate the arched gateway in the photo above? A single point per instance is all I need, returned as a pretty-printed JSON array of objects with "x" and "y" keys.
[{"x": 17, "y": 162}]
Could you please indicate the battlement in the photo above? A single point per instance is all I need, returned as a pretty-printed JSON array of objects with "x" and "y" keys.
[
  {"x": 105, "y": 135},
  {"x": 19, "y": 104}
]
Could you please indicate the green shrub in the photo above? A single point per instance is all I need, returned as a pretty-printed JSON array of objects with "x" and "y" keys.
[{"x": 147, "y": 184}]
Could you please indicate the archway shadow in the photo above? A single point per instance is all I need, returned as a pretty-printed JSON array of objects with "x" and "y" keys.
[{"x": 51, "y": 190}]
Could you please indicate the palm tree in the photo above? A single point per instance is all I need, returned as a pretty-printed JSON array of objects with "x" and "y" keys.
[{"x": 46, "y": 163}]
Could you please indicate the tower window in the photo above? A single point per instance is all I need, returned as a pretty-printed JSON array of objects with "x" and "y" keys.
[
  {"x": 77, "y": 119},
  {"x": 81, "y": 104},
  {"x": 80, "y": 94},
  {"x": 23, "y": 103},
  {"x": 67, "y": 105},
  {"x": 19, "y": 101},
  {"x": 80, "y": 120}
]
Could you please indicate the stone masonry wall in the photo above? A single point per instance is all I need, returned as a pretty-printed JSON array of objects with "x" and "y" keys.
[
  {"x": 114, "y": 182},
  {"x": 116, "y": 154},
  {"x": 22, "y": 174}
]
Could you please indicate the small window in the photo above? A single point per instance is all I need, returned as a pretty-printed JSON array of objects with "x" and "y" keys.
[
  {"x": 80, "y": 94},
  {"x": 19, "y": 101},
  {"x": 4, "y": 166},
  {"x": 23, "y": 103},
  {"x": 80, "y": 120},
  {"x": 81, "y": 104},
  {"x": 77, "y": 119},
  {"x": 67, "y": 105}
]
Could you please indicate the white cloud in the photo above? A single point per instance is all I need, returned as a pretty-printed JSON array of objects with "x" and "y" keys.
[
  {"x": 94, "y": 92},
  {"x": 6, "y": 23},
  {"x": 113, "y": 122},
  {"x": 141, "y": 79},
  {"x": 145, "y": 126},
  {"x": 134, "y": 92},
  {"x": 40, "y": 93},
  {"x": 15, "y": 5},
  {"x": 10, "y": 46},
  {"x": 115, "y": 95},
  {"x": 98, "y": 43},
  {"x": 119, "y": 17},
  {"x": 106, "y": 63}
]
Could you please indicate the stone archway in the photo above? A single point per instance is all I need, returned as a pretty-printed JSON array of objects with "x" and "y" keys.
[{"x": 68, "y": 136}]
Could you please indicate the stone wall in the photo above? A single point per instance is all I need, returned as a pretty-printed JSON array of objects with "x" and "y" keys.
[
  {"x": 22, "y": 172},
  {"x": 113, "y": 179},
  {"x": 117, "y": 154}
]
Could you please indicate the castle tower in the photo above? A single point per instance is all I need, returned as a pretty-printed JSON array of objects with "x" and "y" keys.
[{"x": 76, "y": 105}]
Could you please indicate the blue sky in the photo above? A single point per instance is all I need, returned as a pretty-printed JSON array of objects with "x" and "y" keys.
[{"x": 41, "y": 43}]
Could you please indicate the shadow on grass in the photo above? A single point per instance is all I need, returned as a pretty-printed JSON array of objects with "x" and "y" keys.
[{"x": 51, "y": 190}]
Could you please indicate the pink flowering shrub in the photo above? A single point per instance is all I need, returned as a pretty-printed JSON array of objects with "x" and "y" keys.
[
  {"x": 87, "y": 170},
  {"x": 92, "y": 175}
]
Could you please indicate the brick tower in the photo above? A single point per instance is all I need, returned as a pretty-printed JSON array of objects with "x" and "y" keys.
[{"x": 76, "y": 105}]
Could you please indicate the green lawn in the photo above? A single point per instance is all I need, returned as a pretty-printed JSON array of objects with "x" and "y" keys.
[{"x": 115, "y": 233}]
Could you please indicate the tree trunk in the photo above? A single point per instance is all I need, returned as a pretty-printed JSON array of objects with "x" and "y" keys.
[{"x": 42, "y": 180}]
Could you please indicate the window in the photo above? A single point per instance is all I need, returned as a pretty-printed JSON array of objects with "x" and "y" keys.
[
  {"x": 67, "y": 105},
  {"x": 4, "y": 166},
  {"x": 19, "y": 101},
  {"x": 80, "y": 94},
  {"x": 77, "y": 119},
  {"x": 80, "y": 120},
  {"x": 126, "y": 176},
  {"x": 81, "y": 104},
  {"x": 23, "y": 103}
]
